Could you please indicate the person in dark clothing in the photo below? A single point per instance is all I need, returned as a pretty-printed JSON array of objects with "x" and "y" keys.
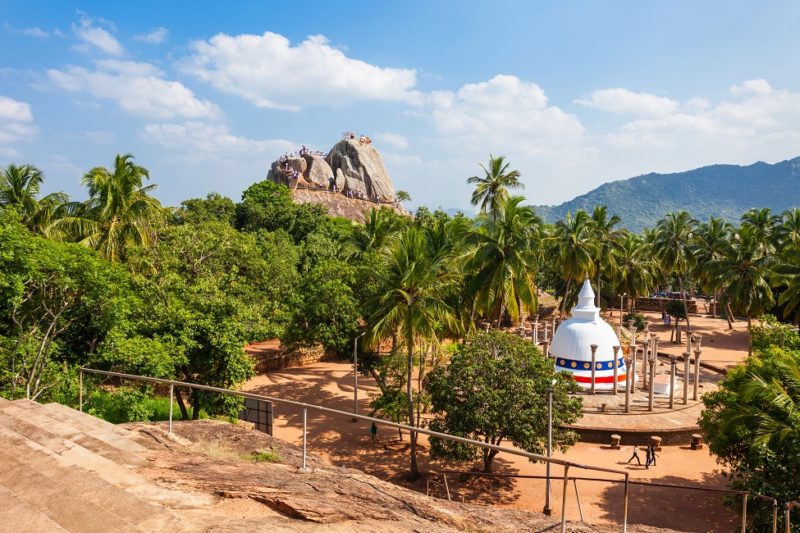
[
  {"x": 649, "y": 459},
  {"x": 373, "y": 432},
  {"x": 653, "y": 455}
]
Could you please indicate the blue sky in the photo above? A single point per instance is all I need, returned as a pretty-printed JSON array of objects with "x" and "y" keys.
[{"x": 575, "y": 94}]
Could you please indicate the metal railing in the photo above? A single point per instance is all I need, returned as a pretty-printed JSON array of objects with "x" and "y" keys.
[
  {"x": 788, "y": 515},
  {"x": 411, "y": 429},
  {"x": 745, "y": 495}
]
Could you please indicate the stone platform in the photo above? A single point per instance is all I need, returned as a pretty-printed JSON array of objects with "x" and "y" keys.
[{"x": 604, "y": 413}]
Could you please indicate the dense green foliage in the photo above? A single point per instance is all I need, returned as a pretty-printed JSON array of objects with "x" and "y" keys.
[
  {"x": 492, "y": 391},
  {"x": 753, "y": 427}
]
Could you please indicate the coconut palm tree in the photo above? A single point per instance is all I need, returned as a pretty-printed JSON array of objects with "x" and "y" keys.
[
  {"x": 672, "y": 245},
  {"x": 636, "y": 271},
  {"x": 19, "y": 189},
  {"x": 711, "y": 242},
  {"x": 607, "y": 236},
  {"x": 787, "y": 233},
  {"x": 493, "y": 186},
  {"x": 762, "y": 225},
  {"x": 743, "y": 274},
  {"x": 414, "y": 305},
  {"x": 787, "y": 276},
  {"x": 503, "y": 260},
  {"x": 576, "y": 250},
  {"x": 118, "y": 213}
]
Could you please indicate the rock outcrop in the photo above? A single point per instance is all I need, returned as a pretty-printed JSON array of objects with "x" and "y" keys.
[
  {"x": 362, "y": 168},
  {"x": 349, "y": 181}
]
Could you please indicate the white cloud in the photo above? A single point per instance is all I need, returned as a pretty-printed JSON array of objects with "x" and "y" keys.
[
  {"x": 155, "y": 36},
  {"x": 137, "y": 88},
  {"x": 271, "y": 73},
  {"x": 395, "y": 140},
  {"x": 16, "y": 124},
  {"x": 203, "y": 139},
  {"x": 97, "y": 37},
  {"x": 35, "y": 32},
  {"x": 624, "y": 101},
  {"x": 505, "y": 108}
]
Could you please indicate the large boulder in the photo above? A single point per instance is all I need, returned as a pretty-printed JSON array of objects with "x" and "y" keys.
[
  {"x": 362, "y": 168},
  {"x": 318, "y": 171}
]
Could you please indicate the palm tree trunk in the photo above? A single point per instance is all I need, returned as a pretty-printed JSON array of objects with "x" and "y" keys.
[
  {"x": 502, "y": 309},
  {"x": 410, "y": 394},
  {"x": 564, "y": 298},
  {"x": 731, "y": 319},
  {"x": 685, "y": 305}
]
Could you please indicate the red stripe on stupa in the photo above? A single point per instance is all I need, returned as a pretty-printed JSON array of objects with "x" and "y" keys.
[{"x": 599, "y": 379}]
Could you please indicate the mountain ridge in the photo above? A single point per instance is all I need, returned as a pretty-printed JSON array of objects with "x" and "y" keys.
[{"x": 719, "y": 190}]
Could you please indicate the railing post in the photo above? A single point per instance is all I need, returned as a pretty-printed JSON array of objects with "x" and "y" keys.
[
  {"x": 80, "y": 390},
  {"x": 305, "y": 437},
  {"x": 744, "y": 513},
  {"x": 774, "y": 516},
  {"x": 171, "y": 396},
  {"x": 625, "y": 506},
  {"x": 578, "y": 497},
  {"x": 628, "y": 380},
  {"x": 564, "y": 500},
  {"x": 616, "y": 368}
]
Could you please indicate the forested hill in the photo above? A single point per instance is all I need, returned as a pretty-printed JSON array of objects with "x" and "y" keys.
[{"x": 724, "y": 191}]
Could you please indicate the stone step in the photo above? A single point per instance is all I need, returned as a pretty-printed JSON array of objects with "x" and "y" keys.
[
  {"x": 55, "y": 427},
  {"x": 71, "y": 414},
  {"x": 77, "y": 428},
  {"x": 84, "y": 484},
  {"x": 60, "y": 502},
  {"x": 17, "y": 516}
]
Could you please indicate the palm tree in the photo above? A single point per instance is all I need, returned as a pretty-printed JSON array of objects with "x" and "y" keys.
[
  {"x": 607, "y": 238},
  {"x": 414, "y": 304},
  {"x": 711, "y": 241},
  {"x": 743, "y": 273},
  {"x": 379, "y": 226},
  {"x": 503, "y": 260},
  {"x": 118, "y": 213},
  {"x": 787, "y": 233},
  {"x": 576, "y": 249},
  {"x": 672, "y": 245},
  {"x": 19, "y": 188},
  {"x": 493, "y": 186},
  {"x": 636, "y": 269},
  {"x": 761, "y": 224},
  {"x": 787, "y": 276}
]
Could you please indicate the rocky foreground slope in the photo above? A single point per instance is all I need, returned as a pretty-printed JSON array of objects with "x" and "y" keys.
[{"x": 62, "y": 470}]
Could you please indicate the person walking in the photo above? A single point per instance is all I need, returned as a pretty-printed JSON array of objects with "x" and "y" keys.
[
  {"x": 373, "y": 432},
  {"x": 635, "y": 455},
  {"x": 649, "y": 458},
  {"x": 653, "y": 454}
]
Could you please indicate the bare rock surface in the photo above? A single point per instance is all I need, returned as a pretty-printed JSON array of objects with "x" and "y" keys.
[
  {"x": 317, "y": 170},
  {"x": 363, "y": 169}
]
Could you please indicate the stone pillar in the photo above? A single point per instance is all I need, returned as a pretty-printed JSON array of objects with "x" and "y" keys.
[
  {"x": 651, "y": 391},
  {"x": 629, "y": 380},
  {"x": 536, "y": 330},
  {"x": 546, "y": 348},
  {"x": 696, "y": 383},
  {"x": 672, "y": 364},
  {"x": 594, "y": 355},
  {"x": 686, "y": 357},
  {"x": 633, "y": 357},
  {"x": 545, "y": 331},
  {"x": 616, "y": 368}
]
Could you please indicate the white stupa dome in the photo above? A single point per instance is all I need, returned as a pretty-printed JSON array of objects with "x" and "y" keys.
[{"x": 571, "y": 346}]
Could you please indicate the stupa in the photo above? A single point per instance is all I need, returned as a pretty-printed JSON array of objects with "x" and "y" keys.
[{"x": 571, "y": 345}]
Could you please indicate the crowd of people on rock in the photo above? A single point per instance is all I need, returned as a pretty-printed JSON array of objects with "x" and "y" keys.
[{"x": 351, "y": 136}]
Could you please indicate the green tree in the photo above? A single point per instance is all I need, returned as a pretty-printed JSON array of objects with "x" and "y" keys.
[
  {"x": 787, "y": 233},
  {"x": 607, "y": 237},
  {"x": 761, "y": 224},
  {"x": 413, "y": 306},
  {"x": 787, "y": 277},
  {"x": 495, "y": 390},
  {"x": 503, "y": 259},
  {"x": 19, "y": 190},
  {"x": 575, "y": 249},
  {"x": 636, "y": 270},
  {"x": 403, "y": 196},
  {"x": 712, "y": 240},
  {"x": 214, "y": 207},
  {"x": 752, "y": 422},
  {"x": 118, "y": 214},
  {"x": 743, "y": 274},
  {"x": 493, "y": 186},
  {"x": 672, "y": 245},
  {"x": 269, "y": 206}
]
